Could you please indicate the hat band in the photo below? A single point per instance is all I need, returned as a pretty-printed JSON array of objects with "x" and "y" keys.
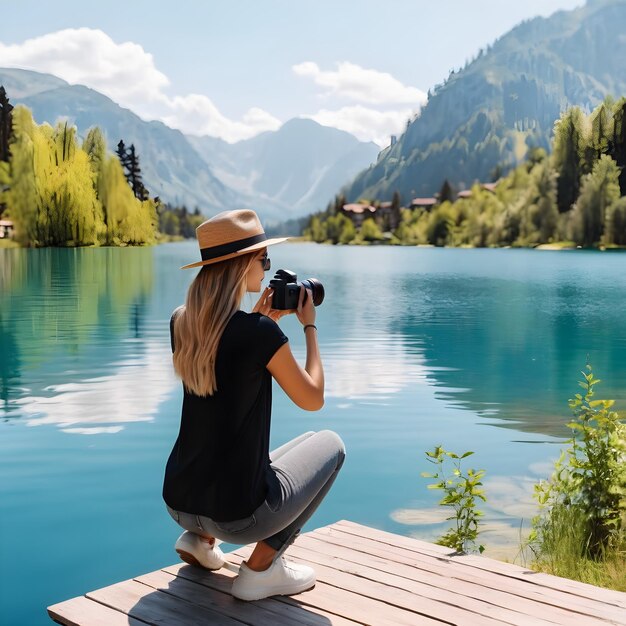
[{"x": 229, "y": 248}]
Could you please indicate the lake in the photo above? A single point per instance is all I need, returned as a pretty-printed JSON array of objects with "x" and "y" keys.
[{"x": 472, "y": 349}]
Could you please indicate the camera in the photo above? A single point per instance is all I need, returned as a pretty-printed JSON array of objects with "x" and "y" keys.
[{"x": 287, "y": 290}]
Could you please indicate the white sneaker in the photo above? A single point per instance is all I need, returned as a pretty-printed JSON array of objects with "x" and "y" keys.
[
  {"x": 193, "y": 550},
  {"x": 282, "y": 578}
]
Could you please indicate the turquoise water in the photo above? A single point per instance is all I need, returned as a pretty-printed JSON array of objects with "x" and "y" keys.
[{"x": 472, "y": 349}]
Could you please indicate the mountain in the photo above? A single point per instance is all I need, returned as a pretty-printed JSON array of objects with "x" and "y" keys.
[
  {"x": 281, "y": 174},
  {"x": 300, "y": 166},
  {"x": 485, "y": 117},
  {"x": 171, "y": 168}
]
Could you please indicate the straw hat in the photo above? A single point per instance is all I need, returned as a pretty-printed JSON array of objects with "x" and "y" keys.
[{"x": 229, "y": 234}]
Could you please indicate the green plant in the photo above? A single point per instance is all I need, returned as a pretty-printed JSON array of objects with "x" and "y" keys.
[
  {"x": 585, "y": 498},
  {"x": 461, "y": 492}
]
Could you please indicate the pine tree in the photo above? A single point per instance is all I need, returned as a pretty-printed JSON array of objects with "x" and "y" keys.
[
  {"x": 446, "y": 193},
  {"x": 6, "y": 124},
  {"x": 122, "y": 155},
  {"x": 6, "y": 132},
  {"x": 395, "y": 216},
  {"x": 129, "y": 159},
  {"x": 134, "y": 175}
]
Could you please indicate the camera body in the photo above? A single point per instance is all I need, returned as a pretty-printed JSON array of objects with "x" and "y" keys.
[{"x": 287, "y": 290}]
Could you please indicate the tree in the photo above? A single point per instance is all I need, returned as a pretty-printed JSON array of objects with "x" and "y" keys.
[
  {"x": 440, "y": 224},
  {"x": 6, "y": 124},
  {"x": 370, "y": 231},
  {"x": 22, "y": 197},
  {"x": 95, "y": 147},
  {"x": 619, "y": 141},
  {"x": 446, "y": 193},
  {"x": 134, "y": 175},
  {"x": 395, "y": 216},
  {"x": 568, "y": 154},
  {"x": 130, "y": 161},
  {"x": 602, "y": 130},
  {"x": 615, "y": 230},
  {"x": 6, "y": 132},
  {"x": 74, "y": 211},
  {"x": 316, "y": 230},
  {"x": 599, "y": 191},
  {"x": 348, "y": 231}
]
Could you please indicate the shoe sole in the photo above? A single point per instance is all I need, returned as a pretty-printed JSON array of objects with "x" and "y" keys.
[
  {"x": 278, "y": 592},
  {"x": 191, "y": 560}
]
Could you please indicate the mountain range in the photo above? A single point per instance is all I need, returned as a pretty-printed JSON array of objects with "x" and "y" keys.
[
  {"x": 281, "y": 174},
  {"x": 484, "y": 118}
]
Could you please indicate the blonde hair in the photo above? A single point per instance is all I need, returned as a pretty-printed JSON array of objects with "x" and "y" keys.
[{"x": 212, "y": 298}]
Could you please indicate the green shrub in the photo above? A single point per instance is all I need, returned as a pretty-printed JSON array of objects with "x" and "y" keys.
[
  {"x": 580, "y": 530},
  {"x": 461, "y": 491}
]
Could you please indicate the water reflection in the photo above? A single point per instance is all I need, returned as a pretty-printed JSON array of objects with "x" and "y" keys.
[
  {"x": 508, "y": 512},
  {"x": 73, "y": 332},
  {"x": 104, "y": 404},
  {"x": 372, "y": 367},
  {"x": 515, "y": 347},
  {"x": 10, "y": 364}
]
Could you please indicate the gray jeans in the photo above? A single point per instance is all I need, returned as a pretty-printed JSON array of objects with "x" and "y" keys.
[{"x": 306, "y": 468}]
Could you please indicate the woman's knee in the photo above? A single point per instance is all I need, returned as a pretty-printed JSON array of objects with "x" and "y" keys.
[{"x": 335, "y": 443}]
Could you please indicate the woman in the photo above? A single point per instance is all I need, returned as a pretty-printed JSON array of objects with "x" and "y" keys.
[{"x": 221, "y": 480}]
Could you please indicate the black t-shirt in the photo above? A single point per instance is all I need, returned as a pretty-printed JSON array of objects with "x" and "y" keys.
[{"x": 219, "y": 466}]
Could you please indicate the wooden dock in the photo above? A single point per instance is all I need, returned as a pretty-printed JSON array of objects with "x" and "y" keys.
[{"x": 364, "y": 576}]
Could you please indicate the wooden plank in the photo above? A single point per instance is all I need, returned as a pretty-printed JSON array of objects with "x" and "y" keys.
[
  {"x": 609, "y": 596},
  {"x": 453, "y": 568},
  {"x": 489, "y": 601},
  {"x": 447, "y": 610},
  {"x": 155, "y": 607},
  {"x": 309, "y": 615},
  {"x": 358, "y": 607},
  {"x": 365, "y": 576},
  {"x": 81, "y": 610}
]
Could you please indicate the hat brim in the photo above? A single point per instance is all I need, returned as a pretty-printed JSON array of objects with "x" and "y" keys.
[{"x": 256, "y": 246}]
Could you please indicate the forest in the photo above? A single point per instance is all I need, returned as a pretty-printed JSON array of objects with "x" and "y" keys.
[{"x": 574, "y": 196}]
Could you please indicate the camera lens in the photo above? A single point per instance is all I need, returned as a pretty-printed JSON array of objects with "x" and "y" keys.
[{"x": 317, "y": 290}]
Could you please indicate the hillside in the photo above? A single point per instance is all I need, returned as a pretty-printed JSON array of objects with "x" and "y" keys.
[
  {"x": 299, "y": 166},
  {"x": 484, "y": 118}
]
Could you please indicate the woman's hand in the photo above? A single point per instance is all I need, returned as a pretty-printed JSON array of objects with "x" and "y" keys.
[
  {"x": 264, "y": 306},
  {"x": 306, "y": 311}
]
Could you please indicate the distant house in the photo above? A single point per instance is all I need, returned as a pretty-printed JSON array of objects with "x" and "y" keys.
[
  {"x": 486, "y": 186},
  {"x": 423, "y": 203},
  {"x": 389, "y": 218},
  {"x": 358, "y": 212},
  {"x": 6, "y": 229}
]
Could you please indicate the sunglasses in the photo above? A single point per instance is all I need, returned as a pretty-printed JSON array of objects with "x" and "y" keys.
[{"x": 267, "y": 264}]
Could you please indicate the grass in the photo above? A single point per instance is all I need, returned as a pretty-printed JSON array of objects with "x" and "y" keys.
[{"x": 560, "y": 553}]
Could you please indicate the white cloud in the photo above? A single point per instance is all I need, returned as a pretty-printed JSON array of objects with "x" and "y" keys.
[
  {"x": 197, "y": 115},
  {"x": 364, "y": 123},
  {"x": 127, "y": 74},
  {"x": 124, "y": 72},
  {"x": 390, "y": 102},
  {"x": 106, "y": 403},
  {"x": 359, "y": 84}
]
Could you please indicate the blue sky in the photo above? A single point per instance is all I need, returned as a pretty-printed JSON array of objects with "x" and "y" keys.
[{"x": 233, "y": 69}]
